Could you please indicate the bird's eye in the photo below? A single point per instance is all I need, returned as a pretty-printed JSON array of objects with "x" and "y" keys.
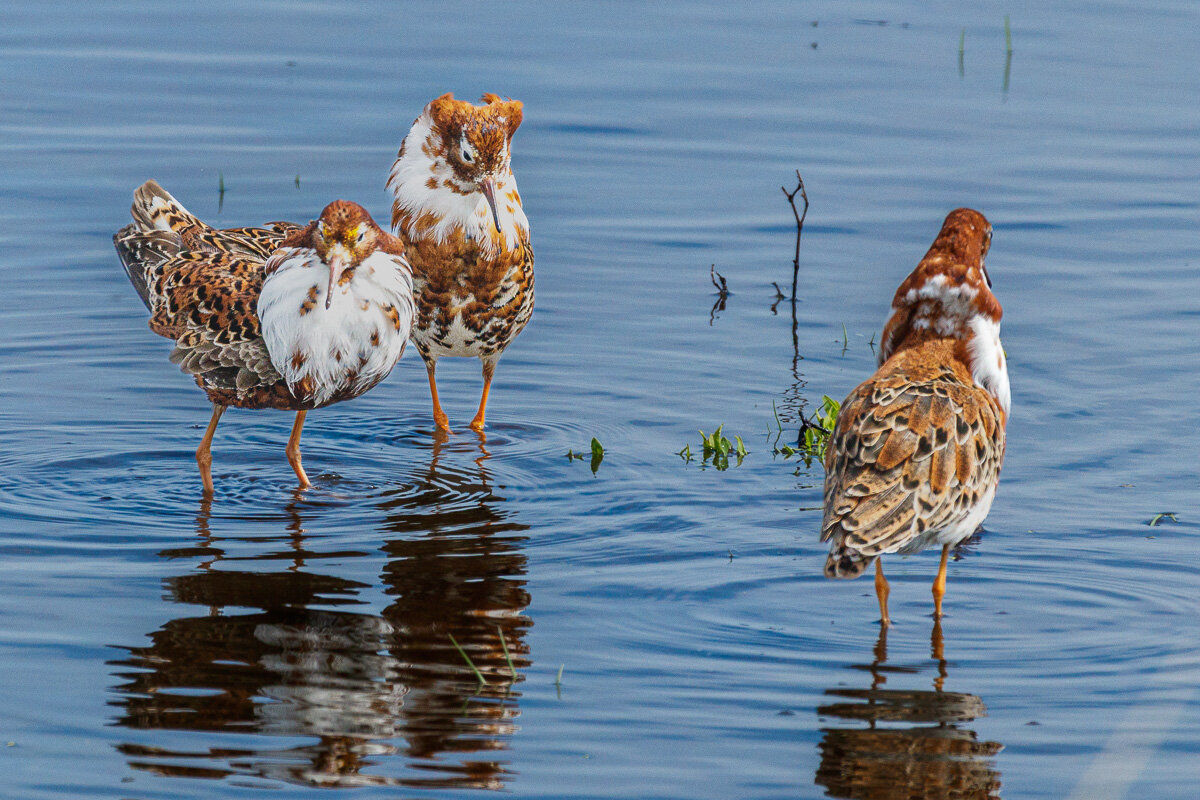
[
  {"x": 362, "y": 234},
  {"x": 468, "y": 155},
  {"x": 322, "y": 230}
]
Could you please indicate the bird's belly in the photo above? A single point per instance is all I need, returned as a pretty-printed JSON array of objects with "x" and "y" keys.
[{"x": 467, "y": 333}]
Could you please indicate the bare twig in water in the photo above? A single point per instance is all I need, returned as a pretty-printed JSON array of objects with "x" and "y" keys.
[
  {"x": 718, "y": 280},
  {"x": 795, "y": 397},
  {"x": 779, "y": 295},
  {"x": 791, "y": 197}
]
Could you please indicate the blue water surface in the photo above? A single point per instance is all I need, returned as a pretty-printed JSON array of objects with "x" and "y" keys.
[{"x": 660, "y": 628}]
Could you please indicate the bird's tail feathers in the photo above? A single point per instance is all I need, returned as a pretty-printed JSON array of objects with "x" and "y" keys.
[
  {"x": 155, "y": 209},
  {"x": 846, "y": 563},
  {"x": 141, "y": 253}
]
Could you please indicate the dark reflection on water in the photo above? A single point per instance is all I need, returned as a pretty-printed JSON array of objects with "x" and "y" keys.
[
  {"x": 358, "y": 686},
  {"x": 914, "y": 744}
]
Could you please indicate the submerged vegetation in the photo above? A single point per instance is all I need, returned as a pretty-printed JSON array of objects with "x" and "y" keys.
[
  {"x": 715, "y": 449},
  {"x": 597, "y": 454},
  {"x": 814, "y": 433}
]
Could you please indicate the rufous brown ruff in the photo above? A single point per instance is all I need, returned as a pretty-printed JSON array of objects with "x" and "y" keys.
[
  {"x": 285, "y": 317},
  {"x": 915, "y": 455},
  {"x": 459, "y": 214}
]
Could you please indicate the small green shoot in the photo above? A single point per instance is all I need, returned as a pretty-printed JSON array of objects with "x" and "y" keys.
[
  {"x": 1157, "y": 519},
  {"x": 467, "y": 658},
  {"x": 845, "y": 339},
  {"x": 686, "y": 454},
  {"x": 597, "y": 454},
  {"x": 504, "y": 646},
  {"x": 817, "y": 436},
  {"x": 716, "y": 448},
  {"x": 1008, "y": 54},
  {"x": 297, "y": 180},
  {"x": 815, "y": 433}
]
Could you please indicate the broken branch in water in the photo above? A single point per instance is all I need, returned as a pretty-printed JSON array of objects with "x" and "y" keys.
[
  {"x": 722, "y": 292},
  {"x": 799, "y": 215}
]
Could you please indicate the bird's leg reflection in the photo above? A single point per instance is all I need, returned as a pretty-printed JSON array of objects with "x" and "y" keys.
[
  {"x": 878, "y": 675},
  {"x": 268, "y": 636},
  {"x": 914, "y": 743},
  {"x": 937, "y": 653}
]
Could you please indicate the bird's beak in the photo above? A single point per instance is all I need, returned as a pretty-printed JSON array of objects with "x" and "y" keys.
[
  {"x": 488, "y": 185},
  {"x": 337, "y": 263}
]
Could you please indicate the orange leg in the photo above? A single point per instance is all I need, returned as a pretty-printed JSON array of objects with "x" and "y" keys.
[
  {"x": 939, "y": 584},
  {"x": 293, "y": 450},
  {"x": 489, "y": 369},
  {"x": 882, "y": 590},
  {"x": 439, "y": 417},
  {"x": 204, "y": 451}
]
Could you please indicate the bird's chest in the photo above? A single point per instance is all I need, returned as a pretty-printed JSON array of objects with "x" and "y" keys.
[
  {"x": 469, "y": 303},
  {"x": 335, "y": 353}
]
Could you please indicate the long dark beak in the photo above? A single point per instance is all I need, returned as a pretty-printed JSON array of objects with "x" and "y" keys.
[
  {"x": 489, "y": 191},
  {"x": 337, "y": 263}
]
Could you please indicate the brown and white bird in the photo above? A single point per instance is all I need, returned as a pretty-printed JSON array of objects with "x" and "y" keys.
[
  {"x": 459, "y": 214},
  {"x": 289, "y": 317},
  {"x": 915, "y": 455}
]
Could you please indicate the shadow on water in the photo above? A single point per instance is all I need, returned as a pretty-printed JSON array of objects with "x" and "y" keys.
[
  {"x": 914, "y": 744},
  {"x": 282, "y": 651}
]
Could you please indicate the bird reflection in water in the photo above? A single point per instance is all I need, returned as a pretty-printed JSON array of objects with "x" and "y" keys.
[
  {"x": 286, "y": 650},
  {"x": 914, "y": 744}
]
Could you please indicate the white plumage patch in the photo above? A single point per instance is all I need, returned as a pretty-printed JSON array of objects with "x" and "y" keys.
[
  {"x": 989, "y": 367},
  {"x": 352, "y": 345},
  {"x": 409, "y": 184}
]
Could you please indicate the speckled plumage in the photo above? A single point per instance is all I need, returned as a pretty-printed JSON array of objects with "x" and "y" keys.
[
  {"x": 459, "y": 213},
  {"x": 915, "y": 456},
  {"x": 288, "y": 318}
]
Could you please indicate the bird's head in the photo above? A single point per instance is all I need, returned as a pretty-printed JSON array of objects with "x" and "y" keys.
[
  {"x": 343, "y": 236},
  {"x": 949, "y": 296},
  {"x": 474, "y": 141}
]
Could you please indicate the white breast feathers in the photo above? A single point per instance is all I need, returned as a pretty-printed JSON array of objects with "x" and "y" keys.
[{"x": 339, "y": 352}]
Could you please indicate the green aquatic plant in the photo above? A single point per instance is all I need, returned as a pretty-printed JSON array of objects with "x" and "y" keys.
[
  {"x": 597, "y": 454},
  {"x": 511, "y": 669},
  {"x": 716, "y": 449},
  {"x": 814, "y": 433},
  {"x": 1157, "y": 519},
  {"x": 467, "y": 658}
]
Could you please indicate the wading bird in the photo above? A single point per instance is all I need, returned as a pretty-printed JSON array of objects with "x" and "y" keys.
[
  {"x": 915, "y": 455},
  {"x": 459, "y": 214},
  {"x": 285, "y": 317}
]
